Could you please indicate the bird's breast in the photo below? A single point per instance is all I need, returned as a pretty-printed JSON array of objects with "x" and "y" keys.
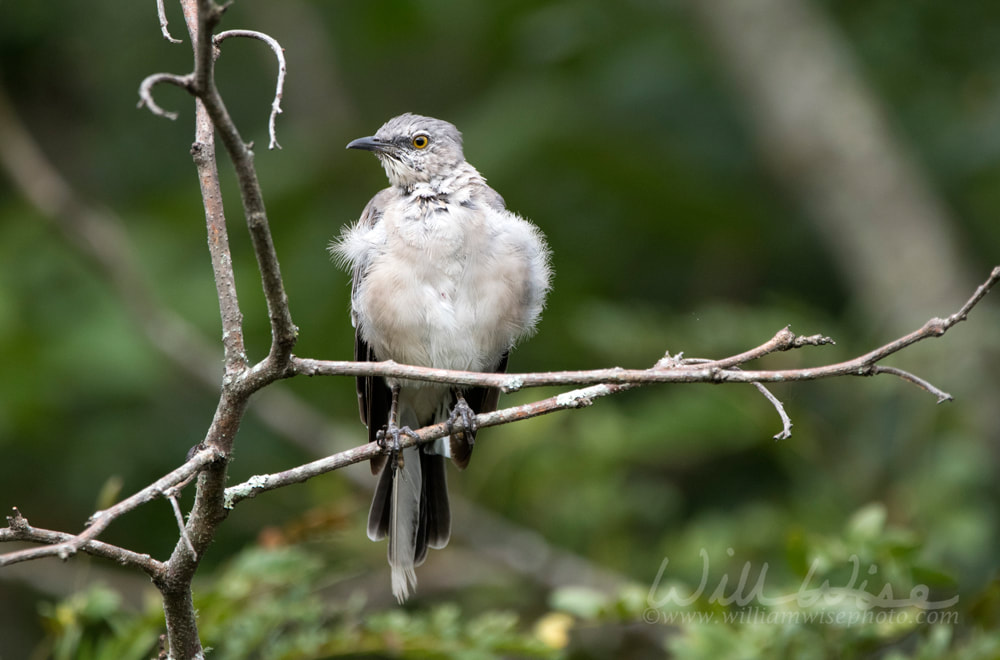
[{"x": 435, "y": 295}]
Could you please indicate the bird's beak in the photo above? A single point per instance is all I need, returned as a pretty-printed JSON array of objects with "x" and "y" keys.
[{"x": 370, "y": 143}]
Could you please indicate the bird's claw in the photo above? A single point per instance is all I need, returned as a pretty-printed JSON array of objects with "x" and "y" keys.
[
  {"x": 462, "y": 420},
  {"x": 389, "y": 439}
]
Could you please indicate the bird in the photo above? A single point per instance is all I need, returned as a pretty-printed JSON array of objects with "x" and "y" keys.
[{"x": 442, "y": 276}]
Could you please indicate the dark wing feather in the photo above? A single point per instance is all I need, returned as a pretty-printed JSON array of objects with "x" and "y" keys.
[
  {"x": 373, "y": 392},
  {"x": 374, "y": 399},
  {"x": 435, "y": 512}
]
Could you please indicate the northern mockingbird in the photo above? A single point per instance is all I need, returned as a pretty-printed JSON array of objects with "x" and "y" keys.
[{"x": 443, "y": 276}]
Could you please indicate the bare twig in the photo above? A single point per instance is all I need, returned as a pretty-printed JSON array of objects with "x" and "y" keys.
[
  {"x": 146, "y": 91},
  {"x": 18, "y": 529},
  {"x": 100, "y": 520},
  {"x": 786, "y": 422},
  {"x": 783, "y": 340},
  {"x": 670, "y": 369},
  {"x": 203, "y": 154},
  {"x": 171, "y": 495},
  {"x": 202, "y": 16},
  {"x": 666, "y": 371},
  {"x": 283, "y": 330},
  {"x": 279, "y": 54},
  {"x": 579, "y": 398},
  {"x": 161, "y": 12},
  {"x": 941, "y": 395}
]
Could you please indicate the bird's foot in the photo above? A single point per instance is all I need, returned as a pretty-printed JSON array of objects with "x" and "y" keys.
[
  {"x": 390, "y": 437},
  {"x": 462, "y": 420}
]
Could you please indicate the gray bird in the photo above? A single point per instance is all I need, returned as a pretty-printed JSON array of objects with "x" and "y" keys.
[{"x": 444, "y": 276}]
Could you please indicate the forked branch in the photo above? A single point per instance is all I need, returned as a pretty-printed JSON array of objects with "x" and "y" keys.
[
  {"x": 671, "y": 369},
  {"x": 604, "y": 382}
]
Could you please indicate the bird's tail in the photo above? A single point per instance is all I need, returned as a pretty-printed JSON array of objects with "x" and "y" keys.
[
  {"x": 411, "y": 508},
  {"x": 404, "y": 522}
]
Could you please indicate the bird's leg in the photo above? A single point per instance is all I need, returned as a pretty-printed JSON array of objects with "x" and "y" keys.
[
  {"x": 462, "y": 420},
  {"x": 390, "y": 435}
]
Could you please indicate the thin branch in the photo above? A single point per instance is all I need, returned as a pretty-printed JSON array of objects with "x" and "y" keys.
[
  {"x": 608, "y": 381},
  {"x": 786, "y": 421},
  {"x": 207, "y": 513},
  {"x": 201, "y": 18},
  {"x": 171, "y": 496},
  {"x": 579, "y": 398},
  {"x": 283, "y": 330},
  {"x": 161, "y": 12},
  {"x": 146, "y": 91},
  {"x": 666, "y": 371},
  {"x": 203, "y": 155},
  {"x": 279, "y": 54},
  {"x": 783, "y": 340},
  {"x": 941, "y": 395},
  {"x": 18, "y": 529},
  {"x": 100, "y": 520}
]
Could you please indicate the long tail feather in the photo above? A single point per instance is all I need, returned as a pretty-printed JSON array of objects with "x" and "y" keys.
[
  {"x": 435, "y": 513},
  {"x": 403, "y": 523}
]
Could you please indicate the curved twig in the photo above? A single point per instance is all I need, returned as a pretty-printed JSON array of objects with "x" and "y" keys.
[
  {"x": 941, "y": 395},
  {"x": 146, "y": 91},
  {"x": 161, "y": 12},
  {"x": 786, "y": 421},
  {"x": 279, "y": 54}
]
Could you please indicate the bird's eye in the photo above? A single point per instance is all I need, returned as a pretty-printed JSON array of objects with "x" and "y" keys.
[{"x": 420, "y": 141}]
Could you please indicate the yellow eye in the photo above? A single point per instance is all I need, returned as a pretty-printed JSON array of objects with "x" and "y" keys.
[{"x": 420, "y": 141}]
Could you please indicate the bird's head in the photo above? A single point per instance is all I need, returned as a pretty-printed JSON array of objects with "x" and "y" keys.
[{"x": 415, "y": 149}]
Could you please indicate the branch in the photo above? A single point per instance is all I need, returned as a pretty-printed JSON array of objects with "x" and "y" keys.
[
  {"x": 161, "y": 12},
  {"x": 146, "y": 91},
  {"x": 283, "y": 330},
  {"x": 18, "y": 529},
  {"x": 579, "y": 398},
  {"x": 202, "y": 16},
  {"x": 784, "y": 340},
  {"x": 68, "y": 544},
  {"x": 279, "y": 54},
  {"x": 203, "y": 155},
  {"x": 916, "y": 380},
  {"x": 786, "y": 422},
  {"x": 670, "y": 369}
]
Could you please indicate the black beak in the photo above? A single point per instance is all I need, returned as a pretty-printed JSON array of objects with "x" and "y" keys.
[{"x": 370, "y": 143}]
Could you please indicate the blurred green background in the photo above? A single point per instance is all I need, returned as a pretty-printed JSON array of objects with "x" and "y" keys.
[{"x": 699, "y": 189}]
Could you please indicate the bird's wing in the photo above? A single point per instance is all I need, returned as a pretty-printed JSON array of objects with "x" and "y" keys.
[
  {"x": 373, "y": 399},
  {"x": 373, "y": 392}
]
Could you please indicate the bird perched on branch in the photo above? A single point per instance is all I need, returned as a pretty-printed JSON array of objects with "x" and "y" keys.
[{"x": 444, "y": 276}]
